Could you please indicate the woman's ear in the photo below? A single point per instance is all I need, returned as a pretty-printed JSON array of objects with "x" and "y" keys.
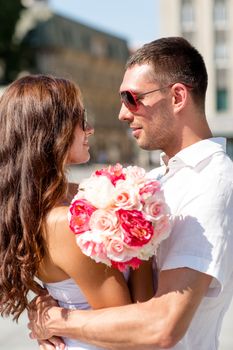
[{"x": 179, "y": 96}]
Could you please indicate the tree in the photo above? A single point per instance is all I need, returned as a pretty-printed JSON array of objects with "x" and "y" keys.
[{"x": 10, "y": 50}]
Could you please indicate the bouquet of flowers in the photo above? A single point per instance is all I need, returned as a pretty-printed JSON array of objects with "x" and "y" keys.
[{"x": 119, "y": 216}]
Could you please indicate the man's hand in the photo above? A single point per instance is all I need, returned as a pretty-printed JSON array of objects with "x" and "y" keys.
[{"x": 39, "y": 319}]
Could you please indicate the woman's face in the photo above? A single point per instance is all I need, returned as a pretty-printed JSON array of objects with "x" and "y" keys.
[{"x": 79, "y": 150}]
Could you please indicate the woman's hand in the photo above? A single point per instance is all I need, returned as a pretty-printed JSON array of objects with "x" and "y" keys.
[
  {"x": 40, "y": 311},
  {"x": 54, "y": 343}
]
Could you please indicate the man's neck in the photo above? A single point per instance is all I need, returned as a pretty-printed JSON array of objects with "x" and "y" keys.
[{"x": 188, "y": 142}]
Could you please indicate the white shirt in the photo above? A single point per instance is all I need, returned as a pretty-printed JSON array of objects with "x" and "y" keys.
[{"x": 199, "y": 191}]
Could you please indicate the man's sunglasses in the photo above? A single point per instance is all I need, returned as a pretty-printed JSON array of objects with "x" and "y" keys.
[{"x": 132, "y": 100}]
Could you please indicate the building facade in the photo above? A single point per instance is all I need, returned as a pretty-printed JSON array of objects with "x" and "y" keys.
[
  {"x": 208, "y": 25},
  {"x": 95, "y": 60}
]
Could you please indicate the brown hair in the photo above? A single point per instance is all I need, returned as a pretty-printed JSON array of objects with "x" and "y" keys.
[
  {"x": 38, "y": 115},
  {"x": 174, "y": 60}
]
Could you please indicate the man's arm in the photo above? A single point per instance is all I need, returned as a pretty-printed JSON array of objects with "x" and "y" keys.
[{"x": 158, "y": 323}]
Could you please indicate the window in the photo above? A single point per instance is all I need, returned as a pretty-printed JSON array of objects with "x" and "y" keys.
[
  {"x": 221, "y": 51},
  {"x": 187, "y": 12},
  {"x": 112, "y": 52},
  {"x": 86, "y": 41},
  {"x": 222, "y": 93},
  {"x": 222, "y": 99},
  {"x": 98, "y": 47},
  {"x": 220, "y": 11}
]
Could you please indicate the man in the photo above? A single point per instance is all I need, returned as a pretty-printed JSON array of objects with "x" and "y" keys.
[{"x": 163, "y": 101}]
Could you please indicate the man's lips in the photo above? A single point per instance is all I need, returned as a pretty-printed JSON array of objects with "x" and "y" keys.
[{"x": 136, "y": 130}]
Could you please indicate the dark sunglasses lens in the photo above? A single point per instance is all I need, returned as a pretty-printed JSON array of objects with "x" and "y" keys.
[
  {"x": 85, "y": 125},
  {"x": 83, "y": 120},
  {"x": 129, "y": 100}
]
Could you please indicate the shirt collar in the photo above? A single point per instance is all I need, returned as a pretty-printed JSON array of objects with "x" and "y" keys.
[{"x": 197, "y": 152}]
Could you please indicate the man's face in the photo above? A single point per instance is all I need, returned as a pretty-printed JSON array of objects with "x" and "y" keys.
[{"x": 152, "y": 123}]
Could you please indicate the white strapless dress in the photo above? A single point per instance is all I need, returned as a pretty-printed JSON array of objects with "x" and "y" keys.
[{"x": 69, "y": 296}]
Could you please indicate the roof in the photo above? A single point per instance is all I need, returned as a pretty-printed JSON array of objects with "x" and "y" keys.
[{"x": 61, "y": 32}]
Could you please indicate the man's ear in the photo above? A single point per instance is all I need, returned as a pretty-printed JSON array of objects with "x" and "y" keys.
[{"x": 179, "y": 96}]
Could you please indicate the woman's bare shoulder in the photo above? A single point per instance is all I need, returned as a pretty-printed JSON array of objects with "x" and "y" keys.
[
  {"x": 58, "y": 215},
  {"x": 57, "y": 225}
]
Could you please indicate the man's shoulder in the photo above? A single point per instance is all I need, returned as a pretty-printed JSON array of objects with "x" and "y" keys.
[
  {"x": 156, "y": 173},
  {"x": 221, "y": 166}
]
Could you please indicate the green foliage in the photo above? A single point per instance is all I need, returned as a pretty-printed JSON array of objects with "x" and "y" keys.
[{"x": 9, "y": 50}]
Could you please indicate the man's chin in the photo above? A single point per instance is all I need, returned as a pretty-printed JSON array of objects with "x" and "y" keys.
[{"x": 145, "y": 146}]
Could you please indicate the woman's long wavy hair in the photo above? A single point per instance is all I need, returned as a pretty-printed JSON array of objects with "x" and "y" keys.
[{"x": 38, "y": 115}]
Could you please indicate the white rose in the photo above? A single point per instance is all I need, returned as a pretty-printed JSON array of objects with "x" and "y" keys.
[{"x": 98, "y": 190}]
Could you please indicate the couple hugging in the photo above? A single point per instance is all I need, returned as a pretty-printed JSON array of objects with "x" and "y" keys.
[{"x": 176, "y": 299}]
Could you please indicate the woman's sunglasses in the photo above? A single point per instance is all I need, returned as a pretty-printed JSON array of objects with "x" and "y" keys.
[
  {"x": 83, "y": 120},
  {"x": 132, "y": 100}
]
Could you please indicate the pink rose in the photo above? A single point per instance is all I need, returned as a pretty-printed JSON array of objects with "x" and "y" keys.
[
  {"x": 149, "y": 189},
  {"x": 162, "y": 227},
  {"x": 135, "y": 174},
  {"x": 104, "y": 221},
  {"x": 95, "y": 250},
  {"x": 113, "y": 172},
  {"x": 126, "y": 197},
  {"x": 155, "y": 207},
  {"x": 81, "y": 211},
  {"x": 122, "y": 266},
  {"x": 137, "y": 230},
  {"x": 115, "y": 247},
  {"x": 118, "y": 250}
]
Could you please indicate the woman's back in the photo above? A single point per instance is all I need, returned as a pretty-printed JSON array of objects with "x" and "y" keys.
[{"x": 70, "y": 296}]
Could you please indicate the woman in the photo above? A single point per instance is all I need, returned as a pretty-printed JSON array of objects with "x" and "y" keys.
[{"x": 42, "y": 130}]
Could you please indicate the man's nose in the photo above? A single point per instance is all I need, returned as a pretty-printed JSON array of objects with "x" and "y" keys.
[{"x": 125, "y": 115}]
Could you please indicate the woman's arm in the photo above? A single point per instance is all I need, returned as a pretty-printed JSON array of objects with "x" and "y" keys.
[
  {"x": 141, "y": 283},
  {"x": 156, "y": 324},
  {"x": 101, "y": 285}
]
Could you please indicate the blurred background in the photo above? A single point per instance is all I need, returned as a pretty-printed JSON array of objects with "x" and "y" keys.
[{"x": 89, "y": 42}]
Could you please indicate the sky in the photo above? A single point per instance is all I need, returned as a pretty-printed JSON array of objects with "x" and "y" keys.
[{"x": 137, "y": 21}]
